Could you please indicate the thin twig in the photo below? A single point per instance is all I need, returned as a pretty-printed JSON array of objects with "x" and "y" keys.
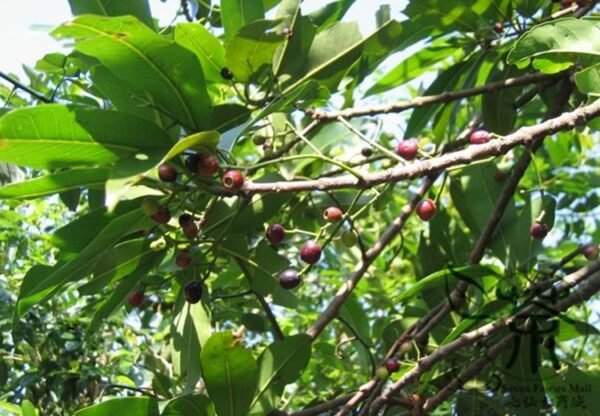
[{"x": 24, "y": 87}]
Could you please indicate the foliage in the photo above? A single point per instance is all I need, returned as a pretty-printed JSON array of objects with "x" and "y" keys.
[{"x": 295, "y": 99}]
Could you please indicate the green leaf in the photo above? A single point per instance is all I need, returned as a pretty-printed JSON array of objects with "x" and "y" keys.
[
  {"x": 263, "y": 278},
  {"x": 130, "y": 406},
  {"x": 563, "y": 41},
  {"x": 54, "y": 136},
  {"x": 58, "y": 182},
  {"x": 150, "y": 63},
  {"x": 252, "y": 49},
  {"x": 229, "y": 371},
  {"x": 588, "y": 80},
  {"x": 330, "y": 13},
  {"x": 28, "y": 409},
  {"x": 355, "y": 316},
  {"x": 207, "y": 48},
  {"x": 415, "y": 65},
  {"x": 438, "y": 278},
  {"x": 10, "y": 407},
  {"x": 529, "y": 7},
  {"x": 447, "y": 80},
  {"x": 205, "y": 141},
  {"x": 281, "y": 363},
  {"x": 575, "y": 384},
  {"x": 137, "y": 8},
  {"x": 196, "y": 404},
  {"x": 239, "y": 13},
  {"x": 38, "y": 288},
  {"x": 499, "y": 113}
]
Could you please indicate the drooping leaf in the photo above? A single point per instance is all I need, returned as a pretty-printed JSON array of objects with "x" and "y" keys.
[
  {"x": 229, "y": 371},
  {"x": 137, "y": 8},
  {"x": 132, "y": 406},
  {"x": 239, "y": 13},
  {"x": 196, "y": 404},
  {"x": 499, "y": 113},
  {"x": 207, "y": 48}
]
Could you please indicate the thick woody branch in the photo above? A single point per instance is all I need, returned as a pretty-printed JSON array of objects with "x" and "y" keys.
[
  {"x": 585, "y": 291},
  {"x": 523, "y": 136},
  {"x": 490, "y": 329},
  {"x": 444, "y": 97}
]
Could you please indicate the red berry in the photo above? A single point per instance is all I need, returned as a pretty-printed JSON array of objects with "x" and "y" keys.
[
  {"x": 208, "y": 165},
  {"x": 333, "y": 214},
  {"x": 480, "y": 137},
  {"x": 275, "y": 233},
  {"x": 499, "y": 27},
  {"x": 565, "y": 4},
  {"x": 162, "y": 216},
  {"x": 233, "y": 180},
  {"x": 426, "y": 209},
  {"x": 538, "y": 230},
  {"x": 591, "y": 251},
  {"x": 190, "y": 229},
  {"x": 136, "y": 298},
  {"x": 289, "y": 279},
  {"x": 391, "y": 365},
  {"x": 192, "y": 292},
  {"x": 407, "y": 149},
  {"x": 167, "y": 173},
  {"x": 310, "y": 252},
  {"x": 183, "y": 260}
]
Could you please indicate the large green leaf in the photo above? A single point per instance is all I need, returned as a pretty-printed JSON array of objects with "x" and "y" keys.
[
  {"x": 330, "y": 13},
  {"x": 56, "y": 183},
  {"x": 137, "y": 8},
  {"x": 38, "y": 288},
  {"x": 54, "y": 136},
  {"x": 558, "y": 44},
  {"x": 499, "y": 113},
  {"x": 130, "y": 406},
  {"x": 252, "y": 49},
  {"x": 280, "y": 363},
  {"x": 239, "y": 13},
  {"x": 149, "y": 62},
  {"x": 575, "y": 384},
  {"x": 207, "y": 48},
  {"x": 229, "y": 371},
  {"x": 415, "y": 65},
  {"x": 196, "y": 404}
]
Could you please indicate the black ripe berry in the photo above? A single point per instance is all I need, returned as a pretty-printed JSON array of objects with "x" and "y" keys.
[
  {"x": 226, "y": 74},
  {"x": 193, "y": 291},
  {"x": 310, "y": 252},
  {"x": 191, "y": 163},
  {"x": 167, "y": 173},
  {"x": 366, "y": 151},
  {"x": 188, "y": 226},
  {"x": 289, "y": 279},
  {"x": 275, "y": 234}
]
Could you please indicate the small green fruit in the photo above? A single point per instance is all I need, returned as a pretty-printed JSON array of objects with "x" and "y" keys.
[
  {"x": 382, "y": 373},
  {"x": 349, "y": 238},
  {"x": 150, "y": 206}
]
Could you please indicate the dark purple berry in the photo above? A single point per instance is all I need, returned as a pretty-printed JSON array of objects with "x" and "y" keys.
[
  {"x": 193, "y": 291},
  {"x": 275, "y": 234},
  {"x": 289, "y": 279},
  {"x": 310, "y": 252}
]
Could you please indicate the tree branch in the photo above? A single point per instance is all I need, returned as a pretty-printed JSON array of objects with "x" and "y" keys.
[
  {"x": 523, "y": 136},
  {"x": 444, "y": 97},
  {"x": 24, "y": 87}
]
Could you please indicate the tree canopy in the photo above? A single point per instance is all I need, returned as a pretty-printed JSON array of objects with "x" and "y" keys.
[{"x": 259, "y": 210}]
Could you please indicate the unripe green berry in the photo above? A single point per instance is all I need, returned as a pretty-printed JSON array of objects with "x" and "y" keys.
[{"x": 349, "y": 238}]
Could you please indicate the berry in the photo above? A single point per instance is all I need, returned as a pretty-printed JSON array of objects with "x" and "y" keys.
[
  {"x": 193, "y": 291},
  {"x": 333, "y": 214},
  {"x": 366, "y": 151},
  {"x": 289, "y": 279},
  {"x": 226, "y": 74},
  {"x": 259, "y": 139},
  {"x": 275, "y": 233},
  {"x": 233, "y": 180},
  {"x": 135, "y": 298},
  {"x": 191, "y": 163},
  {"x": 407, "y": 149},
  {"x": 538, "y": 230},
  {"x": 391, "y": 365},
  {"x": 310, "y": 252},
  {"x": 185, "y": 219},
  {"x": 150, "y": 206},
  {"x": 479, "y": 137},
  {"x": 591, "y": 251},
  {"x": 167, "y": 173},
  {"x": 349, "y": 238},
  {"x": 162, "y": 216},
  {"x": 183, "y": 260},
  {"x": 426, "y": 209},
  {"x": 565, "y": 4},
  {"x": 499, "y": 27},
  {"x": 190, "y": 229},
  {"x": 207, "y": 165},
  {"x": 382, "y": 373}
]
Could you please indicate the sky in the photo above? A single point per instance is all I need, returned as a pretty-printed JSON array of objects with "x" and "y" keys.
[{"x": 24, "y": 25}]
